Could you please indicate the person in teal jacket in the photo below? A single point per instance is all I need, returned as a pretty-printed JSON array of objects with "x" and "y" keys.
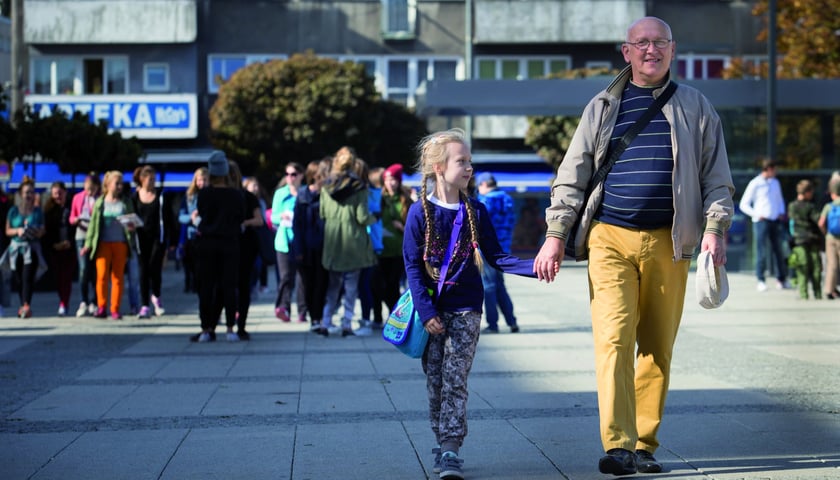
[{"x": 282, "y": 216}]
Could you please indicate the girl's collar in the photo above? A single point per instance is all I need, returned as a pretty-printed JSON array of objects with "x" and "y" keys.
[{"x": 442, "y": 204}]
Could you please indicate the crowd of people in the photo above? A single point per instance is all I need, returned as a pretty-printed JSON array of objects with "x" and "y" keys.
[{"x": 790, "y": 238}]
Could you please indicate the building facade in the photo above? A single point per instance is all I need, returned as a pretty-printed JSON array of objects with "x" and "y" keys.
[{"x": 152, "y": 68}]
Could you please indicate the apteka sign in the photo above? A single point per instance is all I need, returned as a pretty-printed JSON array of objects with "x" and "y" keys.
[{"x": 141, "y": 116}]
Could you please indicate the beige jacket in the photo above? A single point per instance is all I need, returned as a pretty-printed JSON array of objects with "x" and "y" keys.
[{"x": 702, "y": 182}]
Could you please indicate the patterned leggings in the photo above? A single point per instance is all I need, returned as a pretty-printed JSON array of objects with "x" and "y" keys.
[{"x": 447, "y": 363}]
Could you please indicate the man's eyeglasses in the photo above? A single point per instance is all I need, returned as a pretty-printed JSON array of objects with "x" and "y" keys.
[
  {"x": 291, "y": 174},
  {"x": 645, "y": 43}
]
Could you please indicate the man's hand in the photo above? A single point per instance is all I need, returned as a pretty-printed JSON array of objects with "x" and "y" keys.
[
  {"x": 548, "y": 260},
  {"x": 717, "y": 246}
]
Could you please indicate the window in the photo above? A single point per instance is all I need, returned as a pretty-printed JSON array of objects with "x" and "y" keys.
[
  {"x": 520, "y": 68},
  {"x": 397, "y": 78},
  {"x": 398, "y": 19},
  {"x": 599, "y": 64},
  {"x": 156, "y": 77},
  {"x": 220, "y": 67},
  {"x": 79, "y": 75},
  {"x": 701, "y": 67}
]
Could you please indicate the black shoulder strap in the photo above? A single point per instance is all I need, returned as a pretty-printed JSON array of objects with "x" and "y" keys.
[{"x": 629, "y": 135}]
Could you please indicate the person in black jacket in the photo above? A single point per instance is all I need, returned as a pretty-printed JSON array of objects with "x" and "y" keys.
[
  {"x": 58, "y": 245},
  {"x": 221, "y": 211},
  {"x": 152, "y": 239},
  {"x": 248, "y": 250},
  {"x": 308, "y": 243}
]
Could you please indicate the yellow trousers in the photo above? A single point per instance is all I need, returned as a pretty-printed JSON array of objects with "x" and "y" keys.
[{"x": 636, "y": 294}]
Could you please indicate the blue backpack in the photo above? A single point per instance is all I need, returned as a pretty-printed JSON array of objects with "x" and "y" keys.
[{"x": 833, "y": 222}]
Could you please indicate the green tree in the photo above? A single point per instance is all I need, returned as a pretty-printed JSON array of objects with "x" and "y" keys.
[
  {"x": 73, "y": 143},
  {"x": 550, "y": 136},
  {"x": 808, "y": 45},
  {"x": 807, "y": 40},
  {"x": 306, "y": 107}
]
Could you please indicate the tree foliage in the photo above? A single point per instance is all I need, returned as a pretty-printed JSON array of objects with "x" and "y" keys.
[
  {"x": 808, "y": 45},
  {"x": 73, "y": 143},
  {"x": 550, "y": 136},
  {"x": 807, "y": 40},
  {"x": 304, "y": 108}
]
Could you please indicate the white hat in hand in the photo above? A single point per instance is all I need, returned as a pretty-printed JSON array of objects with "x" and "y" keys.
[{"x": 712, "y": 284}]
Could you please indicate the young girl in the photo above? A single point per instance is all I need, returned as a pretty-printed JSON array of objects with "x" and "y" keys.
[
  {"x": 80, "y": 211},
  {"x": 187, "y": 218},
  {"x": 24, "y": 228},
  {"x": 282, "y": 213},
  {"x": 57, "y": 243},
  {"x": 308, "y": 227},
  {"x": 347, "y": 245},
  {"x": 152, "y": 239},
  {"x": 452, "y": 319},
  {"x": 396, "y": 198},
  {"x": 108, "y": 241}
]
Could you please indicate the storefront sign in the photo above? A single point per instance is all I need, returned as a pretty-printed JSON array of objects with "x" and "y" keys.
[{"x": 141, "y": 116}]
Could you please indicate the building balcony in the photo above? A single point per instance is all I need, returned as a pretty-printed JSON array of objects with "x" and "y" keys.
[
  {"x": 554, "y": 21},
  {"x": 61, "y": 22}
]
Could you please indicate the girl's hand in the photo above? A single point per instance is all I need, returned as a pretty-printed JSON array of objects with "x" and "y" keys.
[
  {"x": 84, "y": 251},
  {"x": 434, "y": 327}
]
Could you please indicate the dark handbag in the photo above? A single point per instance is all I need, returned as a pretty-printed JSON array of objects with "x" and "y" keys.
[
  {"x": 265, "y": 239},
  {"x": 604, "y": 169}
]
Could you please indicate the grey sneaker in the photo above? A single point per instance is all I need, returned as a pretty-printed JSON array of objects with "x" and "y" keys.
[
  {"x": 436, "y": 451},
  {"x": 364, "y": 329},
  {"x": 451, "y": 467}
]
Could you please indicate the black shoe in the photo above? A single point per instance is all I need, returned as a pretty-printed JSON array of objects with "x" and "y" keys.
[
  {"x": 243, "y": 335},
  {"x": 490, "y": 330},
  {"x": 645, "y": 463},
  {"x": 514, "y": 329},
  {"x": 618, "y": 461},
  {"x": 322, "y": 331},
  {"x": 346, "y": 332}
]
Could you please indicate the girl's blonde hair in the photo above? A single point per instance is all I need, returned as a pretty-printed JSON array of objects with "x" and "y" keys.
[
  {"x": 108, "y": 177},
  {"x": 344, "y": 160},
  {"x": 432, "y": 153},
  {"x": 192, "y": 190}
]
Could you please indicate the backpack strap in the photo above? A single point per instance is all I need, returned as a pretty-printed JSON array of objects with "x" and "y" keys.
[{"x": 453, "y": 239}]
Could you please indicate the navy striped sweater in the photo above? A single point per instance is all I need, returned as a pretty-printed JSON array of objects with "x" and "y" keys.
[{"x": 638, "y": 190}]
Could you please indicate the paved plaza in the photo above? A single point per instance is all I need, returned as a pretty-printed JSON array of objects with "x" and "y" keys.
[{"x": 755, "y": 395}]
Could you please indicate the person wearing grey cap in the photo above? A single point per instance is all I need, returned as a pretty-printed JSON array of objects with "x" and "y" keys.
[{"x": 221, "y": 211}]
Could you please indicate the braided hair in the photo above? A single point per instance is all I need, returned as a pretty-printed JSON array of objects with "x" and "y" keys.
[{"x": 431, "y": 153}]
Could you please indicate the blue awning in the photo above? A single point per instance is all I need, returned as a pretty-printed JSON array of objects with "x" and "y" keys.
[
  {"x": 45, "y": 173},
  {"x": 512, "y": 182}
]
